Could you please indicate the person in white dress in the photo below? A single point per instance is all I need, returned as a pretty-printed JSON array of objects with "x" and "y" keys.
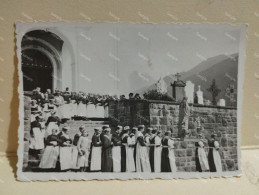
[{"x": 83, "y": 147}]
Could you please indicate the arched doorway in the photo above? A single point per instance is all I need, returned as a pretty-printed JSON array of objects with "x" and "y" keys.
[
  {"x": 41, "y": 60},
  {"x": 37, "y": 70}
]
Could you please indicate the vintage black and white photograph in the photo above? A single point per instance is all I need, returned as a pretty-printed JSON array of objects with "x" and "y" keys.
[{"x": 125, "y": 100}]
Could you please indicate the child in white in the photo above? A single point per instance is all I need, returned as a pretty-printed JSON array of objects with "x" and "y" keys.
[{"x": 83, "y": 146}]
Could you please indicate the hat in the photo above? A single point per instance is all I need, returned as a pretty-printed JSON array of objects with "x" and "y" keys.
[
  {"x": 107, "y": 129},
  {"x": 119, "y": 127},
  {"x": 34, "y": 101},
  {"x": 126, "y": 128},
  {"x": 134, "y": 128},
  {"x": 82, "y": 127},
  {"x": 150, "y": 128},
  {"x": 53, "y": 112},
  {"x": 105, "y": 126},
  {"x": 141, "y": 126},
  {"x": 98, "y": 128},
  {"x": 67, "y": 128}
]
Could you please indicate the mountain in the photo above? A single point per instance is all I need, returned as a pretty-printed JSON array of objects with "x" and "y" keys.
[
  {"x": 138, "y": 80},
  {"x": 222, "y": 68}
]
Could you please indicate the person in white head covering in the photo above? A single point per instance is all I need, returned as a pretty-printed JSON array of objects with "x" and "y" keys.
[
  {"x": 96, "y": 151},
  {"x": 116, "y": 149}
]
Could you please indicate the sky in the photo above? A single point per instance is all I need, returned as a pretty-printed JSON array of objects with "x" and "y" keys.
[{"x": 109, "y": 54}]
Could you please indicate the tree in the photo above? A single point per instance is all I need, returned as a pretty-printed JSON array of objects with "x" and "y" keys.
[{"x": 214, "y": 90}]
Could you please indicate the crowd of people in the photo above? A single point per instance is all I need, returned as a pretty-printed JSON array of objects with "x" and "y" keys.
[
  {"x": 127, "y": 150},
  {"x": 72, "y": 105},
  {"x": 136, "y": 149}
]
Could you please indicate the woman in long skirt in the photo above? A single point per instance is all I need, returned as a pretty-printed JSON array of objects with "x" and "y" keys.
[
  {"x": 116, "y": 149},
  {"x": 130, "y": 162},
  {"x": 51, "y": 152},
  {"x": 124, "y": 139},
  {"x": 107, "y": 165},
  {"x": 214, "y": 156},
  {"x": 96, "y": 152},
  {"x": 142, "y": 156},
  {"x": 165, "y": 161},
  {"x": 201, "y": 157},
  {"x": 83, "y": 147},
  {"x": 171, "y": 155},
  {"x": 65, "y": 150},
  {"x": 158, "y": 152}
]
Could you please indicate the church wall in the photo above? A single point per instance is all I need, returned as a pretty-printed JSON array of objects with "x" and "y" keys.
[{"x": 164, "y": 115}]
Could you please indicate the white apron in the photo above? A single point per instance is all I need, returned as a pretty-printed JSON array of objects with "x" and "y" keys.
[
  {"x": 130, "y": 162},
  {"x": 171, "y": 155},
  {"x": 100, "y": 111},
  {"x": 37, "y": 141},
  {"x": 90, "y": 111},
  {"x": 157, "y": 155},
  {"x": 96, "y": 158},
  {"x": 74, "y": 157},
  {"x": 81, "y": 110},
  {"x": 203, "y": 159},
  {"x": 66, "y": 158},
  {"x": 217, "y": 160},
  {"x": 116, "y": 158},
  {"x": 49, "y": 157},
  {"x": 66, "y": 111},
  {"x": 142, "y": 158}
]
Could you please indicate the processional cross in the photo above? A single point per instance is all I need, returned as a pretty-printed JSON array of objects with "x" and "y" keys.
[{"x": 177, "y": 75}]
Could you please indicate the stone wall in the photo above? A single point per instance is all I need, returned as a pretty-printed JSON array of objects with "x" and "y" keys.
[
  {"x": 164, "y": 115},
  {"x": 27, "y": 127}
]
